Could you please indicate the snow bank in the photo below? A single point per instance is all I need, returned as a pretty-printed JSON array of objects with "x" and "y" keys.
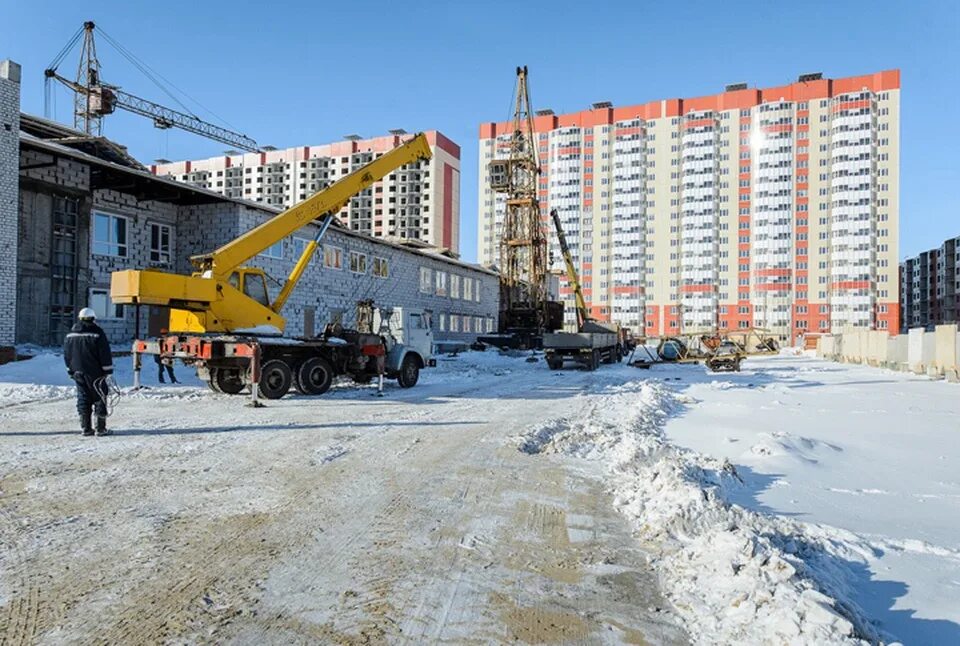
[
  {"x": 44, "y": 377},
  {"x": 733, "y": 575}
]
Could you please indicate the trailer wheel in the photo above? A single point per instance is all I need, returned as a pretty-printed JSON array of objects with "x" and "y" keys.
[
  {"x": 409, "y": 372},
  {"x": 275, "y": 379},
  {"x": 314, "y": 376},
  {"x": 226, "y": 380}
]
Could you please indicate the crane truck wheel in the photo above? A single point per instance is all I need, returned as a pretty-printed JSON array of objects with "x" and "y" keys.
[
  {"x": 409, "y": 372},
  {"x": 594, "y": 360},
  {"x": 313, "y": 376},
  {"x": 275, "y": 379},
  {"x": 226, "y": 380}
]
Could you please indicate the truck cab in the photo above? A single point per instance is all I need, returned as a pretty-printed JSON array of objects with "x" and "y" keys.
[{"x": 409, "y": 335}]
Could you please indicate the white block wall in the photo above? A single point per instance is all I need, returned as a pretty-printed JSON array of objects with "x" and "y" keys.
[{"x": 9, "y": 190}]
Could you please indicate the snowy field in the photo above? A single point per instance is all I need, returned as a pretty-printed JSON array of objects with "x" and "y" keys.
[{"x": 796, "y": 502}]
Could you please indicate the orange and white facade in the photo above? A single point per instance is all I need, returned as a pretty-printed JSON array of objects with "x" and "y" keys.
[
  {"x": 775, "y": 208},
  {"x": 419, "y": 201}
]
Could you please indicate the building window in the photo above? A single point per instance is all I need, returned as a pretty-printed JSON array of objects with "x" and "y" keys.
[
  {"x": 358, "y": 262},
  {"x": 441, "y": 288},
  {"x": 332, "y": 257},
  {"x": 454, "y": 322},
  {"x": 468, "y": 289},
  {"x": 160, "y": 244},
  {"x": 110, "y": 235},
  {"x": 426, "y": 280},
  {"x": 381, "y": 269},
  {"x": 273, "y": 251},
  {"x": 454, "y": 286},
  {"x": 442, "y": 321},
  {"x": 299, "y": 246},
  {"x": 103, "y": 306}
]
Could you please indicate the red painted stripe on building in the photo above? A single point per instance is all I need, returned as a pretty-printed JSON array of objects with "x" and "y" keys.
[
  {"x": 447, "y": 205},
  {"x": 851, "y": 284}
]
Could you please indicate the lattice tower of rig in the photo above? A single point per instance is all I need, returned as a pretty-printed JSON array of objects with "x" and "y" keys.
[{"x": 523, "y": 244}]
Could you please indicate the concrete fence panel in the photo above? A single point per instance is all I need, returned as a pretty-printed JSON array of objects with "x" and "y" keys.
[
  {"x": 945, "y": 350},
  {"x": 877, "y": 347},
  {"x": 929, "y": 354},
  {"x": 915, "y": 350},
  {"x": 897, "y": 352}
]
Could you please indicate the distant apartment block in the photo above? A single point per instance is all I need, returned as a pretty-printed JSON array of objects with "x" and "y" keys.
[
  {"x": 929, "y": 287},
  {"x": 419, "y": 201},
  {"x": 775, "y": 208}
]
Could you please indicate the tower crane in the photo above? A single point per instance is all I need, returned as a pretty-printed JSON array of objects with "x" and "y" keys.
[
  {"x": 94, "y": 99},
  {"x": 525, "y": 311}
]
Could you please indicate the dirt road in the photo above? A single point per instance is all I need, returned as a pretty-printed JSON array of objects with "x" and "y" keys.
[{"x": 411, "y": 518}]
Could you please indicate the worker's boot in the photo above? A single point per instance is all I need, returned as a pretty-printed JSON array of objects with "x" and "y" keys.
[
  {"x": 102, "y": 426},
  {"x": 85, "y": 425}
]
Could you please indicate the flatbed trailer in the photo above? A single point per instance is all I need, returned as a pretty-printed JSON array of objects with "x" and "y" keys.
[{"x": 588, "y": 349}]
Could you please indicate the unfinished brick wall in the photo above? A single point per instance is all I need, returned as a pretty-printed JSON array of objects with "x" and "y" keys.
[{"x": 9, "y": 161}]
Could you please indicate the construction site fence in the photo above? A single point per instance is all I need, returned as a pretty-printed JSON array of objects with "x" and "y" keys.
[{"x": 934, "y": 353}]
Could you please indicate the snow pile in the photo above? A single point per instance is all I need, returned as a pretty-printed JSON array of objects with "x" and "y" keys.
[
  {"x": 42, "y": 378},
  {"x": 733, "y": 575}
]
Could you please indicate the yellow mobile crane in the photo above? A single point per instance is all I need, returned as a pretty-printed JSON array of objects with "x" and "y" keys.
[
  {"x": 593, "y": 341},
  {"x": 222, "y": 320}
]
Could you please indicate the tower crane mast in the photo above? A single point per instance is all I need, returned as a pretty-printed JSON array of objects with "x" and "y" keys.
[{"x": 525, "y": 311}]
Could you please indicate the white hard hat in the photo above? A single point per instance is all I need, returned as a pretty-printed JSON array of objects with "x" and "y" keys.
[{"x": 87, "y": 313}]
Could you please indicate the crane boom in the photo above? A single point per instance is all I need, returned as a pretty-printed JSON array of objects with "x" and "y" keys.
[
  {"x": 105, "y": 99},
  {"x": 582, "y": 313},
  {"x": 223, "y": 296}
]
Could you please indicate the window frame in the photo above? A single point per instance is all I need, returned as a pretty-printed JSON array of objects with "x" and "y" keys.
[
  {"x": 361, "y": 263},
  {"x": 105, "y": 314},
  {"x": 381, "y": 267},
  {"x": 158, "y": 251},
  {"x": 337, "y": 253},
  {"x": 125, "y": 245}
]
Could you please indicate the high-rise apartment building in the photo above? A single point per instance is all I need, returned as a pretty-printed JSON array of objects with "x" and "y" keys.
[
  {"x": 419, "y": 201},
  {"x": 775, "y": 208},
  {"x": 930, "y": 287}
]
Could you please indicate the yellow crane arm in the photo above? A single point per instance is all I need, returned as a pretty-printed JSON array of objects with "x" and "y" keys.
[
  {"x": 582, "y": 314},
  {"x": 300, "y": 267},
  {"x": 329, "y": 200}
]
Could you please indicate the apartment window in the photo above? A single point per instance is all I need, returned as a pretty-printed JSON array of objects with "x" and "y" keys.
[
  {"x": 454, "y": 322},
  {"x": 103, "y": 306},
  {"x": 468, "y": 289},
  {"x": 426, "y": 280},
  {"x": 381, "y": 268},
  {"x": 110, "y": 235},
  {"x": 274, "y": 251},
  {"x": 441, "y": 289},
  {"x": 332, "y": 257},
  {"x": 160, "y": 244},
  {"x": 358, "y": 262}
]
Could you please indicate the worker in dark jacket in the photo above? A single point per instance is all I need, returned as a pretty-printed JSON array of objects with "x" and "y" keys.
[
  {"x": 86, "y": 352},
  {"x": 161, "y": 364}
]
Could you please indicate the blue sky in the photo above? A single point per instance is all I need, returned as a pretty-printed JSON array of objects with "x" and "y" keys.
[{"x": 293, "y": 73}]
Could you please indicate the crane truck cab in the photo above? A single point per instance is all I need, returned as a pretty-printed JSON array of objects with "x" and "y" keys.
[{"x": 408, "y": 334}]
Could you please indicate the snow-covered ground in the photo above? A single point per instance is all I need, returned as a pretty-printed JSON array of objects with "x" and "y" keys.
[
  {"x": 871, "y": 451},
  {"x": 495, "y": 501}
]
